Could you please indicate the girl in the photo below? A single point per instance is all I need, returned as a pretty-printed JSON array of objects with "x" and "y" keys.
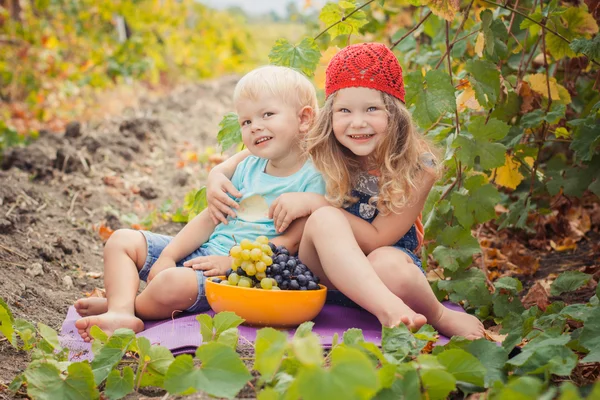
[{"x": 378, "y": 170}]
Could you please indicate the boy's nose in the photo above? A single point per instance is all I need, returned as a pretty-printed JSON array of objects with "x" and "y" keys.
[{"x": 256, "y": 128}]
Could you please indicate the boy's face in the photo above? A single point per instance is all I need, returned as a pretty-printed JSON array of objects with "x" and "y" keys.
[{"x": 270, "y": 127}]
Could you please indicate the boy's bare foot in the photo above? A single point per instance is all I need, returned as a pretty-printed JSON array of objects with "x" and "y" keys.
[
  {"x": 108, "y": 322},
  {"x": 455, "y": 323},
  {"x": 91, "y": 306},
  {"x": 404, "y": 315}
]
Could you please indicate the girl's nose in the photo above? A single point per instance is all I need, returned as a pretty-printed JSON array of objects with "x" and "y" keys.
[{"x": 358, "y": 122}]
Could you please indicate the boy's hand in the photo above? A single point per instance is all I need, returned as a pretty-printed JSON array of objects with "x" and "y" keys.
[
  {"x": 286, "y": 208},
  {"x": 219, "y": 203},
  {"x": 161, "y": 264},
  {"x": 211, "y": 265}
]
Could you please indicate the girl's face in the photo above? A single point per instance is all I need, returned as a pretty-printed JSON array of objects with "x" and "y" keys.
[{"x": 359, "y": 120}]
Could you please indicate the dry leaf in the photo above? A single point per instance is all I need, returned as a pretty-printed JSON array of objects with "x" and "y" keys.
[
  {"x": 565, "y": 244},
  {"x": 537, "y": 296},
  {"x": 94, "y": 275},
  {"x": 105, "y": 232},
  {"x": 508, "y": 175},
  {"x": 493, "y": 334},
  {"x": 113, "y": 181},
  {"x": 96, "y": 293}
]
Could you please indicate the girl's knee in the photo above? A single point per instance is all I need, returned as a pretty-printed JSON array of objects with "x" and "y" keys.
[
  {"x": 394, "y": 264},
  {"x": 325, "y": 218}
]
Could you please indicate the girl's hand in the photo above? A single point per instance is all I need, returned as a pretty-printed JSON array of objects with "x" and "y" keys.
[
  {"x": 286, "y": 208},
  {"x": 211, "y": 265},
  {"x": 219, "y": 203},
  {"x": 162, "y": 263}
]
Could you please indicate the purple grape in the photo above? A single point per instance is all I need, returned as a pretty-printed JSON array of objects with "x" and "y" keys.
[
  {"x": 303, "y": 288},
  {"x": 285, "y": 274},
  {"x": 273, "y": 247},
  {"x": 284, "y": 251},
  {"x": 312, "y": 286},
  {"x": 278, "y": 279},
  {"x": 284, "y": 285},
  {"x": 216, "y": 280},
  {"x": 276, "y": 269},
  {"x": 229, "y": 271},
  {"x": 291, "y": 264},
  {"x": 294, "y": 285},
  {"x": 308, "y": 274},
  {"x": 301, "y": 280}
]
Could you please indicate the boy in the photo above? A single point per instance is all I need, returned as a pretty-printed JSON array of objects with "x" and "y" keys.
[{"x": 276, "y": 106}]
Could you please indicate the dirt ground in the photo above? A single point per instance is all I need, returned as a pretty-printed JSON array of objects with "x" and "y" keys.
[{"x": 57, "y": 192}]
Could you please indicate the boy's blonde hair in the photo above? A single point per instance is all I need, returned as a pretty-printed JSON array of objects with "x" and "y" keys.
[
  {"x": 398, "y": 158},
  {"x": 289, "y": 85}
]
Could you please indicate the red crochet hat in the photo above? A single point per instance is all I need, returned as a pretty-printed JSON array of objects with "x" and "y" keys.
[{"x": 370, "y": 65}]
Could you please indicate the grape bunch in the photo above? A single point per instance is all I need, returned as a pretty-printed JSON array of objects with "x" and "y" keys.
[{"x": 262, "y": 265}]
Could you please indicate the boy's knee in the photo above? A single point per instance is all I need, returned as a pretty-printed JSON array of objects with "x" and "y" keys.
[
  {"x": 176, "y": 285},
  {"x": 128, "y": 240}
]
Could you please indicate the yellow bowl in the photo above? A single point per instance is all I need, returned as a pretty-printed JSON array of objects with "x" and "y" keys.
[{"x": 277, "y": 308}]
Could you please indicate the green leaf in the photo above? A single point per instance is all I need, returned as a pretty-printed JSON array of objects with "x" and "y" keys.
[
  {"x": 491, "y": 155},
  {"x": 26, "y": 332},
  {"x": 478, "y": 205},
  {"x": 6, "y": 323},
  {"x": 268, "y": 393},
  {"x": 546, "y": 354},
  {"x": 589, "y": 337},
  {"x": 522, "y": 388},
  {"x": 222, "y": 373},
  {"x": 353, "y": 336},
  {"x": 432, "y": 96},
  {"x": 154, "y": 363},
  {"x": 50, "y": 335},
  {"x": 396, "y": 341},
  {"x": 111, "y": 353},
  {"x": 351, "y": 376},
  {"x": 304, "y": 329},
  {"x": 485, "y": 80},
  {"x": 44, "y": 381},
  {"x": 586, "y": 139},
  {"x": 468, "y": 285},
  {"x": 464, "y": 366},
  {"x": 226, "y": 320},
  {"x": 332, "y": 13},
  {"x": 438, "y": 383},
  {"x": 532, "y": 119},
  {"x": 308, "y": 349},
  {"x": 591, "y": 48},
  {"x": 230, "y": 133},
  {"x": 568, "y": 282},
  {"x": 495, "y": 35},
  {"x": 270, "y": 348},
  {"x": 117, "y": 385},
  {"x": 303, "y": 57},
  {"x": 206, "y": 327},
  {"x": 456, "y": 248},
  {"x": 573, "y": 23},
  {"x": 513, "y": 285},
  {"x": 493, "y": 358},
  {"x": 229, "y": 337},
  {"x": 407, "y": 386}
]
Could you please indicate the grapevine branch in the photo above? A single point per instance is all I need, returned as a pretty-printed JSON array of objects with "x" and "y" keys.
[
  {"x": 411, "y": 31},
  {"x": 454, "y": 40},
  {"x": 345, "y": 17}
]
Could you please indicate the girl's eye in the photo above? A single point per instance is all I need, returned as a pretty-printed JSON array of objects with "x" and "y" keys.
[
  {"x": 344, "y": 110},
  {"x": 371, "y": 109},
  {"x": 267, "y": 114}
]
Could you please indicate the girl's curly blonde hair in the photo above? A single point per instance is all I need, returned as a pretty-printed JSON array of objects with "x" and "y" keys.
[{"x": 399, "y": 158}]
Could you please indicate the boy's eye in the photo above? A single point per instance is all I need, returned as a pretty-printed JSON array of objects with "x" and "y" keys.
[
  {"x": 246, "y": 122},
  {"x": 267, "y": 114}
]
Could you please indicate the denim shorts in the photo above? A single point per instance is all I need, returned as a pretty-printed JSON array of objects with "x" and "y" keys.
[{"x": 156, "y": 244}]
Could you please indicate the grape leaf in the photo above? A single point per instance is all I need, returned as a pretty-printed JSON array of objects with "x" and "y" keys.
[
  {"x": 523, "y": 387},
  {"x": 117, "y": 385},
  {"x": 495, "y": 34},
  {"x": 229, "y": 337},
  {"x": 353, "y": 336},
  {"x": 493, "y": 358},
  {"x": 270, "y": 347},
  {"x": 308, "y": 349},
  {"x": 332, "y": 13},
  {"x": 589, "y": 337},
  {"x": 586, "y": 139},
  {"x": 568, "y": 282},
  {"x": 351, "y": 376},
  {"x": 437, "y": 383},
  {"x": 468, "y": 285},
  {"x": 456, "y": 246},
  {"x": 206, "y": 327},
  {"x": 508, "y": 175},
  {"x": 464, "y": 366},
  {"x": 230, "y": 133},
  {"x": 154, "y": 361},
  {"x": 491, "y": 155},
  {"x": 432, "y": 96},
  {"x": 111, "y": 354},
  {"x": 44, "y": 381},
  {"x": 590, "y": 48},
  {"x": 571, "y": 24},
  {"x": 6, "y": 323},
  {"x": 478, "y": 205},
  {"x": 226, "y": 320},
  {"x": 549, "y": 354},
  {"x": 303, "y": 57},
  {"x": 485, "y": 79}
]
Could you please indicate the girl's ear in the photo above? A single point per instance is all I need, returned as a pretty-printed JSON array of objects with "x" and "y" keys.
[{"x": 306, "y": 116}]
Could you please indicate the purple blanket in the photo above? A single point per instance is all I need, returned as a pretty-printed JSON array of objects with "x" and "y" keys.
[{"x": 182, "y": 335}]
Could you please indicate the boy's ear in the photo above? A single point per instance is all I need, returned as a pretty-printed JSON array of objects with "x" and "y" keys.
[{"x": 306, "y": 116}]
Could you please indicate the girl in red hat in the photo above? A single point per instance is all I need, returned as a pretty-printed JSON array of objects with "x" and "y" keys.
[{"x": 362, "y": 238}]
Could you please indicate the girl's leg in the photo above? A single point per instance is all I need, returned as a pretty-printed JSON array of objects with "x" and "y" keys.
[
  {"x": 329, "y": 249},
  {"x": 124, "y": 255},
  {"x": 406, "y": 281}
]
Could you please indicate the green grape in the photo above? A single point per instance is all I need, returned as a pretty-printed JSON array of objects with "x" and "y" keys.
[
  {"x": 225, "y": 283},
  {"x": 256, "y": 254},
  {"x": 266, "y": 249},
  {"x": 251, "y": 269},
  {"x": 266, "y": 283},
  {"x": 246, "y": 244},
  {"x": 262, "y": 240},
  {"x": 245, "y": 282},
  {"x": 275, "y": 288},
  {"x": 245, "y": 254},
  {"x": 261, "y": 266},
  {"x": 274, "y": 282},
  {"x": 233, "y": 278},
  {"x": 267, "y": 260},
  {"x": 260, "y": 275},
  {"x": 236, "y": 263},
  {"x": 235, "y": 251},
  {"x": 245, "y": 265}
]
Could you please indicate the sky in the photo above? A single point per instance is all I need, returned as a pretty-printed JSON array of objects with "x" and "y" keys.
[{"x": 259, "y": 6}]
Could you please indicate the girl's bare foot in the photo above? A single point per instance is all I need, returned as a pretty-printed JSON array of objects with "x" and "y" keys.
[
  {"x": 455, "y": 323},
  {"x": 108, "y": 322},
  {"x": 91, "y": 306},
  {"x": 404, "y": 315}
]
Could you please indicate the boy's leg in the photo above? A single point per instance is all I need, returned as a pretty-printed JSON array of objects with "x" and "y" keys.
[
  {"x": 124, "y": 255},
  {"x": 172, "y": 291},
  {"x": 329, "y": 249},
  {"x": 406, "y": 280}
]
